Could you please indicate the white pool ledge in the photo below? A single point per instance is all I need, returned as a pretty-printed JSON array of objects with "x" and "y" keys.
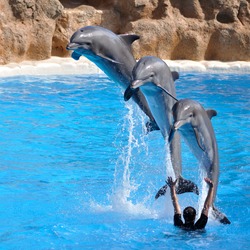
[{"x": 67, "y": 66}]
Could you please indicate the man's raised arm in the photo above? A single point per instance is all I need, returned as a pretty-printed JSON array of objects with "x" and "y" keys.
[
  {"x": 209, "y": 199},
  {"x": 171, "y": 184}
]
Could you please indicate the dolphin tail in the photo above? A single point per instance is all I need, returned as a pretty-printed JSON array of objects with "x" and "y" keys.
[
  {"x": 151, "y": 126},
  {"x": 171, "y": 133},
  {"x": 220, "y": 216},
  {"x": 183, "y": 186},
  {"x": 161, "y": 191}
]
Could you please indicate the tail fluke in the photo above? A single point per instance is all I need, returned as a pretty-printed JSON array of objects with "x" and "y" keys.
[
  {"x": 183, "y": 186},
  {"x": 220, "y": 216},
  {"x": 151, "y": 126},
  {"x": 162, "y": 191}
]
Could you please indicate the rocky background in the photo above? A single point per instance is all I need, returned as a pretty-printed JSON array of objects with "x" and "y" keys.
[{"x": 170, "y": 29}]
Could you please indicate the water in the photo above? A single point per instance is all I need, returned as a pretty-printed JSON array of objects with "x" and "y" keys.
[{"x": 79, "y": 172}]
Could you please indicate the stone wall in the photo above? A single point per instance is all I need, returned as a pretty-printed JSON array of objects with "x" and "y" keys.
[
  {"x": 170, "y": 29},
  {"x": 27, "y": 28}
]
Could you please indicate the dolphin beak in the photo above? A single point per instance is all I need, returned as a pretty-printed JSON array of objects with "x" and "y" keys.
[
  {"x": 136, "y": 84},
  {"x": 179, "y": 124},
  {"x": 72, "y": 46},
  {"x": 174, "y": 128},
  {"x": 131, "y": 89}
]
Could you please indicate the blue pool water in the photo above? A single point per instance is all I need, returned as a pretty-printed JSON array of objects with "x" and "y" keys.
[{"x": 79, "y": 172}]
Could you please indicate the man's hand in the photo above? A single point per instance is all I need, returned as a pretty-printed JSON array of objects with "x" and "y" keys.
[
  {"x": 209, "y": 182},
  {"x": 170, "y": 182}
]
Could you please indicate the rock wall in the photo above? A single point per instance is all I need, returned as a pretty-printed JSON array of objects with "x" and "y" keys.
[
  {"x": 27, "y": 28},
  {"x": 170, "y": 29}
]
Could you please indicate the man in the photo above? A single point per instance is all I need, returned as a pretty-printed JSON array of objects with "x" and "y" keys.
[{"x": 189, "y": 213}]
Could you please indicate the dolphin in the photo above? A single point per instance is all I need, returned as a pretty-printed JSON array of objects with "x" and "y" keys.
[
  {"x": 194, "y": 124},
  {"x": 156, "y": 82},
  {"x": 112, "y": 54}
]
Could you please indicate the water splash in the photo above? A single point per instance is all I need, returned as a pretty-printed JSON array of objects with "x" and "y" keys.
[
  {"x": 133, "y": 192},
  {"x": 123, "y": 185},
  {"x": 168, "y": 162},
  {"x": 202, "y": 186}
]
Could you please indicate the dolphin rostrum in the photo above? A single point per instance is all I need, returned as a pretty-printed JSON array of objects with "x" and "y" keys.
[
  {"x": 112, "y": 54},
  {"x": 156, "y": 82},
  {"x": 194, "y": 124}
]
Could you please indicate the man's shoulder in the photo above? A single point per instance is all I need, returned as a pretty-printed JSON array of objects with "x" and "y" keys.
[
  {"x": 201, "y": 223},
  {"x": 177, "y": 220},
  {"x": 203, "y": 217},
  {"x": 177, "y": 216}
]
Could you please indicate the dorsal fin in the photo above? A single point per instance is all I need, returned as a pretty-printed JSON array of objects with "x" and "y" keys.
[
  {"x": 175, "y": 75},
  {"x": 129, "y": 38},
  {"x": 211, "y": 113}
]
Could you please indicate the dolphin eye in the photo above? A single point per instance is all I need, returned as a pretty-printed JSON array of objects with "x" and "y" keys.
[{"x": 191, "y": 115}]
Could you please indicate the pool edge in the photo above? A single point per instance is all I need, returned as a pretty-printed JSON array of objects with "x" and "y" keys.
[{"x": 68, "y": 66}]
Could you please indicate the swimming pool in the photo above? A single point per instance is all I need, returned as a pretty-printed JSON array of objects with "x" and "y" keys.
[{"x": 79, "y": 172}]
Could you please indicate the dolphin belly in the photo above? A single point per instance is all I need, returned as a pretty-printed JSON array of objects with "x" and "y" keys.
[
  {"x": 158, "y": 107},
  {"x": 112, "y": 70}
]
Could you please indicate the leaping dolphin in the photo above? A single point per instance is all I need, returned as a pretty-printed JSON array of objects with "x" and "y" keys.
[
  {"x": 112, "y": 54},
  {"x": 156, "y": 82},
  {"x": 194, "y": 124}
]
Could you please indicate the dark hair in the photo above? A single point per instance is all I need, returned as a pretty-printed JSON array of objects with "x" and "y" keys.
[{"x": 189, "y": 214}]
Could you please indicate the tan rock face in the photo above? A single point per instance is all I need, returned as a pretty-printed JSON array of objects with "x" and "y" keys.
[
  {"x": 27, "y": 28},
  {"x": 170, "y": 29}
]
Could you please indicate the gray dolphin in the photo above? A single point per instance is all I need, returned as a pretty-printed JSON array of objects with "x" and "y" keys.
[
  {"x": 156, "y": 82},
  {"x": 112, "y": 54},
  {"x": 194, "y": 124}
]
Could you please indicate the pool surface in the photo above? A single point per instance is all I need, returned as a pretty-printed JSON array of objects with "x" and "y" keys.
[{"x": 78, "y": 170}]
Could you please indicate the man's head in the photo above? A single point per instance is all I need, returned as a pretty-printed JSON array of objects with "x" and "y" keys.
[{"x": 189, "y": 214}]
